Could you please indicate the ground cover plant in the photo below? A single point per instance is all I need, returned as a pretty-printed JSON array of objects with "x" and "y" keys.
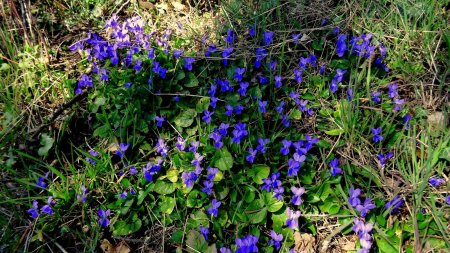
[{"x": 263, "y": 140}]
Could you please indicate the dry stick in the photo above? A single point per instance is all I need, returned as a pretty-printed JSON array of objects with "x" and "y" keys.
[{"x": 59, "y": 111}]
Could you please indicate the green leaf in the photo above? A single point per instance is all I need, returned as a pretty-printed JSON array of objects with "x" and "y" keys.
[
  {"x": 195, "y": 242},
  {"x": 172, "y": 175},
  {"x": 192, "y": 80},
  {"x": 296, "y": 114},
  {"x": 384, "y": 245},
  {"x": 126, "y": 227},
  {"x": 445, "y": 154},
  {"x": 256, "y": 212},
  {"x": 46, "y": 144},
  {"x": 179, "y": 75},
  {"x": 143, "y": 194},
  {"x": 334, "y": 132},
  {"x": 202, "y": 104},
  {"x": 164, "y": 188},
  {"x": 211, "y": 249},
  {"x": 258, "y": 172},
  {"x": 167, "y": 204},
  {"x": 185, "y": 118},
  {"x": 223, "y": 159},
  {"x": 275, "y": 206}
]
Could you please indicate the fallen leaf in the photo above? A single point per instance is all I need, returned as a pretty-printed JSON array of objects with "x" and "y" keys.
[
  {"x": 107, "y": 247},
  {"x": 122, "y": 247},
  {"x": 178, "y": 6},
  {"x": 304, "y": 242}
]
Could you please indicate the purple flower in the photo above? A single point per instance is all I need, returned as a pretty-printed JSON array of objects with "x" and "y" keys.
[
  {"x": 262, "y": 106},
  {"x": 104, "y": 75},
  {"x": 212, "y": 90},
  {"x": 103, "y": 217},
  {"x": 238, "y": 73},
  {"x": 296, "y": 37},
  {"x": 34, "y": 211},
  {"x": 212, "y": 173},
  {"x": 251, "y": 157},
  {"x": 204, "y": 231},
  {"x": 48, "y": 208},
  {"x": 217, "y": 139},
  {"x": 239, "y": 132},
  {"x": 298, "y": 75},
  {"x": 225, "y": 54},
  {"x": 194, "y": 146},
  {"x": 123, "y": 195},
  {"x": 354, "y": 197},
  {"x": 230, "y": 37},
  {"x": 447, "y": 199},
  {"x": 210, "y": 50},
  {"x": 214, "y": 209},
  {"x": 238, "y": 110},
  {"x": 366, "y": 207},
  {"x": 298, "y": 192},
  {"x": 406, "y": 119},
  {"x": 223, "y": 129},
  {"x": 398, "y": 104},
  {"x": 83, "y": 196},
  {"x": 225, "y": 250},
  {"x": 159, "y": 121},
  {"x": 435, "y": 181},
  {"x": 376, "y": 96},
  {"x": 322, "y": 69},
  {"x": 267, "y": 37},
  {"x": 207, "y": 116},
  {"x": 341, "y": 44},
  {"x": 294, "y": 167},
  {"x": 395, "y": 203},
  {"x": 177, "y": 53},
  {"x": 127, "y": 85},
  {"x": 278, "y": 192},
  {"x": 336, "y": 80},
  {"x": 251, "y": 31},
  {"x": 393, "y": 90},
  {"x": 384, "y": 158},
  {"x": 377, "y": 135},
  {"x": 133, "y": 170},
  {"x": 161, "y": 147},
  {"x": 41, "y": 183},
  {"x": 229, "y": 110},
  {"x": 276, "y": 239},
  {"x": 262, "y": 79},
  {"x": 334, "y": 164},
  {"x": 180, "y": 143},
  {"x": 225, "y": 85},
  {"x": 213, "y": 102},
  {"x": 122, "y": 148},
  {"x": 188, "y": 63},
  {"x": 363, "y": 232},
  {"x": 243, "y": 88},
  {"x": 286, "y": 145},
  {"x": 292, "y": 220},
  {"x": 247, "y": 244},
  {"x": 262, "y": 145},
  {"x": 278, "y": 80},
  {"x": 189, "y": 178}
]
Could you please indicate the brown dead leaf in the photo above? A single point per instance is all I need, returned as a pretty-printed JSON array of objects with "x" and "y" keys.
[
  {"x": 178, "y": 6},
  {"x": 348, "y": 243},
  {"x": 304, "y": 243},
  {"x": 107, "y": 247},
  {"x": 121, "y": 247}
]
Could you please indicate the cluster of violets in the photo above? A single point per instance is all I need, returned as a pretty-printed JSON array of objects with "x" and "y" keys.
[
  {"x": 361, "y": 228},
  {"x": 129, "y": 37}
]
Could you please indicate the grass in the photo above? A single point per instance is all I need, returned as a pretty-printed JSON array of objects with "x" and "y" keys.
[{"x": 414, "y": 31}]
